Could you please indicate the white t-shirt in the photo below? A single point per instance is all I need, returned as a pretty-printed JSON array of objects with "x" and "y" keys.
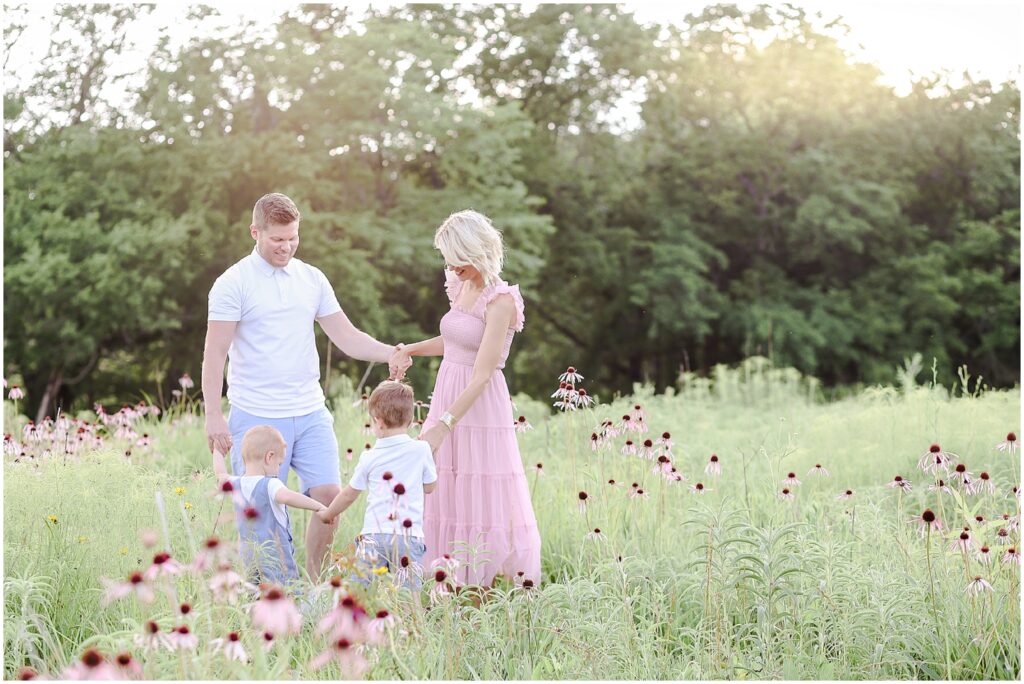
[
  {"x": 273, "y": 365},
  {"x": 248, "y": 483},
  {"x": 410, "y": 463}
]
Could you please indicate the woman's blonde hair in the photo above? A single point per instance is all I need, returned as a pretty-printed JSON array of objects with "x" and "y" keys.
[{"x": 467, "y": 238}]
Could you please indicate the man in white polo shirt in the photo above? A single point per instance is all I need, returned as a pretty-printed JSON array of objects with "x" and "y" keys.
[{"x": 261, "y": 314}]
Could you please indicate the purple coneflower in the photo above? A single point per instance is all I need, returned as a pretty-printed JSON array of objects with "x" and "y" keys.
[
  {"x": 231, "y": 647},
  {"x": 935, "y": 458},
  {"x": 163, "y": 566},
  {"x": 135, "y": 585},
  {"x": 903, "y": 484},
  {"x": 665, "y": 440},
  {"x": 928, "y": 520},
  {"x": 940, "y": 486},
  {"x": 1011, "y": 555},
  {"x": 1003, "y": 536},
  {"x": 791, "y": 480},
  {"x": 226, "y": 584},
  {"x": 963, "y": 542},
  {"x": 91, "y": 666},
  {"x": 128, "y": 667},
  {"x": 595, "y": 442},
  {"x": 152, "y": 638},
  {"x": 383, "y": 621},
  {"x": 1008, "y": 445},
  {"x": 343, "y": 652},
  {"x": 817, "y": 471},
  {"x": 845, "y": 495},
  {"x": 977, "y": 585},
  {"x": 961, "y": 473},
  {"x": 538, "y": 469},
  {"x": 983, "y": 555},
  {"x": 15, "y": 393},
  {"x": 699, "y": 488},
  {"x": 984, "y": 483},
  {"x": 786, "y": 494},
  {"x": 522, "y": 425},
  {"x": 583, "y": 502},
  {"x": 570, "y": 375},
  {"x": 596, "y": 534},
  {"x": 186, "y": 382},
  {"x": 629, "y": 449},
  {"x": 276, "y": 613},
  {"x": 637, "y": 492},
  {"x": 181, "y": 638},
  {"x": 714, "y": 466}
]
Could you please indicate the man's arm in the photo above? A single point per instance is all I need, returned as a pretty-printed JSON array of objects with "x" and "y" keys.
[
  {"x": 219, "y": 335},
  {"x": 352, "y": 341}
]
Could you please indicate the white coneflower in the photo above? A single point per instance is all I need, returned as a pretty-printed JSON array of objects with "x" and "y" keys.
[
  {"x": 522, "y": 425},
  {"x": 714, "y": 466},
  {"x": 845, "y": 495},
  {"x": 983, "y": 555},
  {"x": 1009, "y": 444},
  {"x": 786, "y": 494},
  {"x": 231, "y": 647},
  {"x": 817, "y": 471},
  {"x": 570, "y": 375},
  {"x": 596, "y": 535},
  {"x": 962, "y": 542},
  {"x": 791, "y": 480},
  {"x": 935, "y": 458},
  {"x": 901, "y": 483},
  {"x": 977, "y": 585}
]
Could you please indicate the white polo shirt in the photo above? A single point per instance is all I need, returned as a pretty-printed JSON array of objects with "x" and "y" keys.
[
  {"x": 273, "y": 365},
  {"x": 411, "y": 463}
]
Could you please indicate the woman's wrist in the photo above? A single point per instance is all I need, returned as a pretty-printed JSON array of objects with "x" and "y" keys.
[{"x": 448, "y": 420}]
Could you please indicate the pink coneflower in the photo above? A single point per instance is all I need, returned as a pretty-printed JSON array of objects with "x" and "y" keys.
[
  {"x": 227, "y": 585},
  {"x": 699, "y": 488},
  {"x": 791, "y": 480},
  {"x": 152, "y": 638},
  {"x": 347, "y": 618},
  {"x": 27, "y": 674},
  {"x": 143, "y": 441},
  {"x": 903, "y": 484},
  {"x": 637, "y": 492},
  {"x": 444, "y": 584},
  {"x": 983, "y": 555},
  {"x": 583, "y": 502},
  {"x": 268, "y": 641},
  {"x": 15, "y": 393},
  {"x": 128, "y": 667},
  {"x": 961, "y": 473},
  {"x": 629, "y": 449},
  {"x": 135, "y": 585},
  {"x": 714, "y": 466},
  {"x": 817, "y": 471},
  {"x": 665, "y": 440},
  {"x": 383, "y": 621},
  {"x": 560, "y": 393},
  {"x": 963, "y": 542},
  {"x": 367, "y": 429},
  {"x": 628, "y": 424},
  {"x": 163, "y": 566},
  {"x": 186, "y": 382},
  {"x": 92, "y": 666},
  {"x": 538, "y": 469},
  {"x": 1012, "y": 521},
  {"x": 11, "y": 447},
  {"x": 984, "y": 483},
  {"x": 595, "y": 442},
  {"x": 522, "y": 425},
  {"x": 1011, "y": 555},
  {"x": 1003, "y": 536},
  {"x": 181, "y": 638},
  {"x": 231, "y": 647},
  {"x": 613, "y": 483},
  {"x": 211, "y": 555},
  {"x": 1009, "y": 444},
  {"x": 343, "y": 652},
  {"x": 935, "y": 458},
  {"x": 638, "y": 413},
  {"x": 786, "y": 494},
  {"x": 349, "y": 454},
  {"x": 647, "y": 450},
  {"x": 446, "y": 562},
  {"x": 928, "y": 520},
  {"x": 940, "y": 486},
  {"x": 362, "y": 400},
  {"x": 977, "y": 585},
  {"x": 664, "y": 466},
  {"x": 583, "y": 399},
  {"x": 276, "y": 613},
  {"x": 596, "y": 534},
  {"x": 845, "y": 495}
]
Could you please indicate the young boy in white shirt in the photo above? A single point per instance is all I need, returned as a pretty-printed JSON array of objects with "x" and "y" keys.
[{"x": 397, "y": 472}]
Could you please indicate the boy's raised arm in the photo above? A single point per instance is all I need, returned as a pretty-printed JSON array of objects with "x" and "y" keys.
[
  {"x": 219, "y": 468},
  {"x": 346, "y": 497},
  {"x": 294, "y": 499}
]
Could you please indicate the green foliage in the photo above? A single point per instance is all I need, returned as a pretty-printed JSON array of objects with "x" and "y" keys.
[{"x": 772, "y": 197}]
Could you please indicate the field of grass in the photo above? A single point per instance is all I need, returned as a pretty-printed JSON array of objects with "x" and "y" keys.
[{"x": 736, "y": 582}]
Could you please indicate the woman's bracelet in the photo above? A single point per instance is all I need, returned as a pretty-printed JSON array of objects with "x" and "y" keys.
[{"x": 449, "y": 420}]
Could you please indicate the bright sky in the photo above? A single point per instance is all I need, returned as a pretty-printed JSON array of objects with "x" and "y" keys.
[{"x": 905, "y": 38}]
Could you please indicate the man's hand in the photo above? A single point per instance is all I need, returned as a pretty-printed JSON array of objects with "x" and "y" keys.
[
  {"x": 324, "y": 517},
  {"x": 218, "y": 437},
  {"x": 399, "y": 362}
]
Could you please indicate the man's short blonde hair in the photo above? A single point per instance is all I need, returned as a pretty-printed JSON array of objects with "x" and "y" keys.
[
  {"x": 274, "y": 208},
  {"x": 259, "y": 440},
  {"x": 467, "y": 238},
  {"x": 391, "y": 402}
]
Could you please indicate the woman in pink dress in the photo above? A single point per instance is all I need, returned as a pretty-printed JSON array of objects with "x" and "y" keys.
[{"x": 481, "y": 512}]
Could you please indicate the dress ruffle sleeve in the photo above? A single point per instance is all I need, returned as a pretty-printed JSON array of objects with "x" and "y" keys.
[{"x": 502, "y": 288}]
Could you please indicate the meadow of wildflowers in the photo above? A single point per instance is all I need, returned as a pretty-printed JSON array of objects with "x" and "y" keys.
[{"x": 737, "y": 528}]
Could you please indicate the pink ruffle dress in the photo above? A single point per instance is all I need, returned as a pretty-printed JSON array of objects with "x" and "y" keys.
[{"x": 481, "y": 510}]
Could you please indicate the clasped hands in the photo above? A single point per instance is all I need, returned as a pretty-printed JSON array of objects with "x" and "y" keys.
[{"x": 399, "y": 362}]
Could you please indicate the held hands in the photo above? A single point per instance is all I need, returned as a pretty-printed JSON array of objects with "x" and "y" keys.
[
  {"x": 218, "y": 437},
  {"x": 399, "y": 362},
  {"x": 325, "y": 517},
  {"x": 435, "y": 436}
]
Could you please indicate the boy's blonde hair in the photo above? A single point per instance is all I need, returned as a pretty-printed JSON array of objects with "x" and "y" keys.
[
  {"x": 391, "y": 402},
  {"x": 467, "y": 238},
  {"x": 259, "y": 440}
]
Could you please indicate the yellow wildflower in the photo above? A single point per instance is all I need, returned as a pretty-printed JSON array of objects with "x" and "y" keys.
[
  {"x": 82, "y": 539},
  {"x": 52, "y": 519},
  {"x": 382, "y": 570},
  {"x": 188, "y": 505},
  {"x": 179, "y": 491},
  {"x": 124, "y": 550}
]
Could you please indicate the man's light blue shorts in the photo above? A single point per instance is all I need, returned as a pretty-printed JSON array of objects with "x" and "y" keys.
[{"x": 311, "y": 446}]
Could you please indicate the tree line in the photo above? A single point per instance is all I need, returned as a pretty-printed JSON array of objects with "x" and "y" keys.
[{"x": 672, "y": 198}]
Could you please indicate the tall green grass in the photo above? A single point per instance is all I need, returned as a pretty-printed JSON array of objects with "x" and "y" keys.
[{"x": 734, "y": 583}]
